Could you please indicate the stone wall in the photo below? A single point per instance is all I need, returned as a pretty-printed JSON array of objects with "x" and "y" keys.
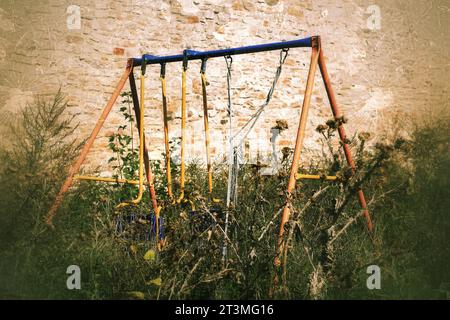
[{"x": 388, "y": 62}]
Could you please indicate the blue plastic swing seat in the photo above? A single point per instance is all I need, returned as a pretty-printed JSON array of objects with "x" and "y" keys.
[{"x": 149, "y": 233}]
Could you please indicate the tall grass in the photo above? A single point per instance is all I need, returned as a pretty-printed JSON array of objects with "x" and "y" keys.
[{"x": 329, "y": 247}]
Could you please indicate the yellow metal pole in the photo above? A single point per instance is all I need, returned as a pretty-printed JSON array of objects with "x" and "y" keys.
[
  {"x": 183, "y": 131},
  {"x": 166, "y": 132},
  {"x": 301, "y": 176},
  {"x": 111, "y": 180},
  {"x": 206, "y": 123},
  {"x": 148, "y": 170},
  {"x": 141, "y": 149}
]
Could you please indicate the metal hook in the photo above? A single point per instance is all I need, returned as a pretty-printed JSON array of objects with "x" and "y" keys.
[
  {"x": 229, "y": 61},
  {"x": 283, "y": 55}
]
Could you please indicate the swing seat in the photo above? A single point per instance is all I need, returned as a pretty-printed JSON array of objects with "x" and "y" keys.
[
  {"x": 142, "y": 226},
  {"x": 127, "y": 228},
  {"x": 124, "y": 220}
]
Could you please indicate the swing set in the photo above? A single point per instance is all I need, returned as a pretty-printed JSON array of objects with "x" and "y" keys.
[{"x": 235, "y": 139}]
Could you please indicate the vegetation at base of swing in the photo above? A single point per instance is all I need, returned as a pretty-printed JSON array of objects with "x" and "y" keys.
[{"x": 328, "y": 248}]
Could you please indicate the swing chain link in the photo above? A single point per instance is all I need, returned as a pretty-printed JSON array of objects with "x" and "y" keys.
[
  {"x": 235, "y": 152},
  {"x": 236, "y": 148},
  {"x": 232, "y": 151},
  {"x": 232, "y": 182},
  {"x": 283, "y": 55},
  {"x": 229, "y": 61},
  {"x": 252, "y": 121}
]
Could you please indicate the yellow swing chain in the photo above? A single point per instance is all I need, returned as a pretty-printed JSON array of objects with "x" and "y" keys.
[
  {"x": 206, "y": 124},
  {"x": 141, "y": 145},
  {"x": 166, "y": 131},
  {"x": 183, "y": 129}
]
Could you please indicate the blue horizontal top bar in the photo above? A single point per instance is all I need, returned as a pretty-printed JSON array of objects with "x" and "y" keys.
[{"x": 196, "y": 55}]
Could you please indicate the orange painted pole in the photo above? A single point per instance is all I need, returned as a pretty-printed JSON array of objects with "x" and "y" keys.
[
  {"x": 298, "y": 146},
  {"x": 342, "y": 135},
  {"x": 76, "y": 166}
]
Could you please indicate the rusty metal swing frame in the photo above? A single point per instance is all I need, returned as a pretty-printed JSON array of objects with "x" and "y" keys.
[
  {"x": 317, "y": 59},
  {"x": 75, "y": 168}
]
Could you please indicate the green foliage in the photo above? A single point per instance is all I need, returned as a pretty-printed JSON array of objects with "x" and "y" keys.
[
  {"x": 40, "y": 152},
  {"x": 125, "y": 159}
]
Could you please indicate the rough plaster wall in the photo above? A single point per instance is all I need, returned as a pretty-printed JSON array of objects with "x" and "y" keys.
[{"x": 382, "y": 77}]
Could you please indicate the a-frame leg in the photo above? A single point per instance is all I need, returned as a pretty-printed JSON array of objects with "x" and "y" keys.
[
  {"x": 148, "y": 170},
  {"x": 342, "y": 135},
  {"x": 77, "y": 164},
  {"x": 298, "y": 147}
]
